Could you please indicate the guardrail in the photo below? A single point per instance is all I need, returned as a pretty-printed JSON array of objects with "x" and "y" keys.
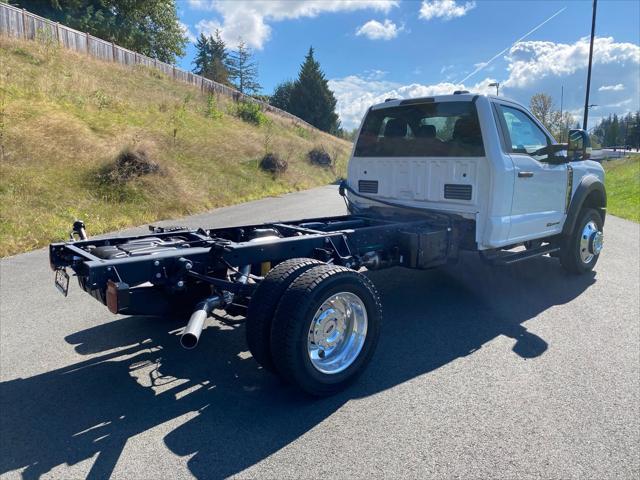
[{"x": 20, "y": 23}]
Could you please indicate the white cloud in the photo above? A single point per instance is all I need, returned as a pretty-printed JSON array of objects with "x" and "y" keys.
[
  {"x": 375, "y": 74},
  {"x": 356, "y": 93},
  {"x": 611, "y": 88},
  {"x": 532, "y": 67},
  {"x": 375, "y": 30},
  {"x": 188, "y": 33},
  {"x": 531, "y": 61},
  {"x": 445, "y": 9},
  {"x": 250, "y": 19}
]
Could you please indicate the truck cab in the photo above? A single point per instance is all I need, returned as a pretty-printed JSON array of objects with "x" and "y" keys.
[{"x": 481, "y": 157}]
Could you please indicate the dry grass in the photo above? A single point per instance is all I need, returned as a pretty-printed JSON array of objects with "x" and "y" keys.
[{"x": 64, "y": 118}]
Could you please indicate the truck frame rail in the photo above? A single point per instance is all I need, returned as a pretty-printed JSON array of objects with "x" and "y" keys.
[{"x": 173, "y": 266}]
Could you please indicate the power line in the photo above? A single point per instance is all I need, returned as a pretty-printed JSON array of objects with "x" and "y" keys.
[{"x": 483, "y": 65}]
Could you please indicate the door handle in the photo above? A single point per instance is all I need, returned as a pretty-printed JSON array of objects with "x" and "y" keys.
[{"x": 525, "y": 174}]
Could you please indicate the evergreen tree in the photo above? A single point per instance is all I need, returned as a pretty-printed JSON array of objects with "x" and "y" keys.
[
  {"x": 615, "y": 131},
  {"x": 219, "y": 59},
  {"x": 634, "y": 132},
  {"x": 611, "y": 139},
  {"x": 311, "y": 98},
  {"x": 202, "y": 62},
  {"x": 243, "y": 71},
  {"x": 211, "y": 56},
  {"x": 281, "y": 97}
]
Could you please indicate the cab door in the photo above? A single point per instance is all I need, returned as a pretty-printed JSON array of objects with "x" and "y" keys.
[{"x": 540, "y": 184}]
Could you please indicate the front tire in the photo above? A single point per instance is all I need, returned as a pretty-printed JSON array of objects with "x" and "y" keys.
[
  {"x": 326, "y": 329},
  {"x": 580, "y": 250}
]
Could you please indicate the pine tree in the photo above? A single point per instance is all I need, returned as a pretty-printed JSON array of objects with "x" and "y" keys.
[
  {"x": 612, "y": 134},
  {"x": 616, "y": 131},
  {"x": 202, "y": 62},
  {"x": 211, "y": 58},
  {"x": 311, "y": 98},
  {"x": 634, "y": 131},
  {"x": 243, "y": 71},
  {"x": 219, "y": 58}
]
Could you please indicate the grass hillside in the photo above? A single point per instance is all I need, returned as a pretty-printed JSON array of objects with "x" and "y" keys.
[
  {"x": 623, "y": 187},
  {"x": 65, "y": 119}
]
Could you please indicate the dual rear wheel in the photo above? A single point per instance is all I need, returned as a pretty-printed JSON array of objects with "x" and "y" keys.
[{"x": 313, "y": 324}]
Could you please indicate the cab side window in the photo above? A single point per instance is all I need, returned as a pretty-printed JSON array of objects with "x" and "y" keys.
[{"x": 525, "y": 136}]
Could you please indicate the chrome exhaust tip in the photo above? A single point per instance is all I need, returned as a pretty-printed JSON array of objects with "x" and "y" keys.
[{"x": 191, "y": 333}]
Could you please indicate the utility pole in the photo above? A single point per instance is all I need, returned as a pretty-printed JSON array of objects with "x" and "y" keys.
[
  {"x": 626, "y": 133},
  {"x": 561, "y": 117},
  {"x": 586, "y": 98}
]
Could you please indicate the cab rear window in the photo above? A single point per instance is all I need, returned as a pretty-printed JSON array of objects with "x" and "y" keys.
[{"x": 437, "y": 129}]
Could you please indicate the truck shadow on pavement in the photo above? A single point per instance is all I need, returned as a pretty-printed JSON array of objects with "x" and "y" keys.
[{"x": 220, "y": 408}]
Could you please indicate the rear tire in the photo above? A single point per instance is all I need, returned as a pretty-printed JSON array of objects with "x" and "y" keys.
[
  {"x": 264, "y": 302},
  {"x": 580, "y": 250},
  {"x": 326, "y": 329}
]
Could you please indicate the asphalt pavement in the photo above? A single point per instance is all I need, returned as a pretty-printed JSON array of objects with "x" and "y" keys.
[{"x": 481, "y": 372}]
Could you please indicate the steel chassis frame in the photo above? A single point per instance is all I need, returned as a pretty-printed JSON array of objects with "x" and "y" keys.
[{"x": 142, "y": 283}]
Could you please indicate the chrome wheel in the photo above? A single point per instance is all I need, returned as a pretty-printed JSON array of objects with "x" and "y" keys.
[
  {"x": 337, "y": 333},
  {"x": 591, "y": 242}
]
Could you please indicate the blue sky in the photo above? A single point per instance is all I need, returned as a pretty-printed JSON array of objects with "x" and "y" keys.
[{"x": 374, "y": 49}]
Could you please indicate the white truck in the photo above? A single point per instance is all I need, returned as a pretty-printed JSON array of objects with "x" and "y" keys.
[
  {"x": 428, "y": 178},
  {"x": 487, "y": 159}
]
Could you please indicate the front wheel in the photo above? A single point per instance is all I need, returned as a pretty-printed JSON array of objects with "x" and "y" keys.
[
  {"x": 325, "y": 329},
  {"x": 581, "y": 249}
]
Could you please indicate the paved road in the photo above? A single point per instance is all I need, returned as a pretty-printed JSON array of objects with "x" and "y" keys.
[{"x": 522, "y": 372}]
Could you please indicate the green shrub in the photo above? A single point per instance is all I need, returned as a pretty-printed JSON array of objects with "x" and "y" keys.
[
  {"x": 302, "y": 132},
  {"x": 213, "y": 111},
  {"x": 101, "y": 99},
  {"x": 250, "y": 112}
]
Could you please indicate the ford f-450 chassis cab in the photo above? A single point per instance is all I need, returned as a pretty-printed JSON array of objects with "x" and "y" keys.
[{"x": 427, "y": 179}]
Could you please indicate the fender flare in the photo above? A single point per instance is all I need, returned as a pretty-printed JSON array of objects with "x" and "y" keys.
[{"x": 588, "y": 185}]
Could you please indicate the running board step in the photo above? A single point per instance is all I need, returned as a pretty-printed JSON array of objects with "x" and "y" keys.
[{"x": 507, "y": 258}]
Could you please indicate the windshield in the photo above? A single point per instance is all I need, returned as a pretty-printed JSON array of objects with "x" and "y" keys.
[{"x": 443, "y": 129}]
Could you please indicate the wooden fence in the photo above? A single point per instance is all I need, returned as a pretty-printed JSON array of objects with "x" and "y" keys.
[{"x": 15, "y": 22}]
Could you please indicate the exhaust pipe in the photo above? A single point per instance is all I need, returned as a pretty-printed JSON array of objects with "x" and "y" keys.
[
  {"x": 192, "y": 331},
  {"x": 191, "y": 334},
  {"x": 244, "y": 274}
]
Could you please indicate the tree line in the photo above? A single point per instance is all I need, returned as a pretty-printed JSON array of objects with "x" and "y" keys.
[{"x": 619, "y": 131}]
